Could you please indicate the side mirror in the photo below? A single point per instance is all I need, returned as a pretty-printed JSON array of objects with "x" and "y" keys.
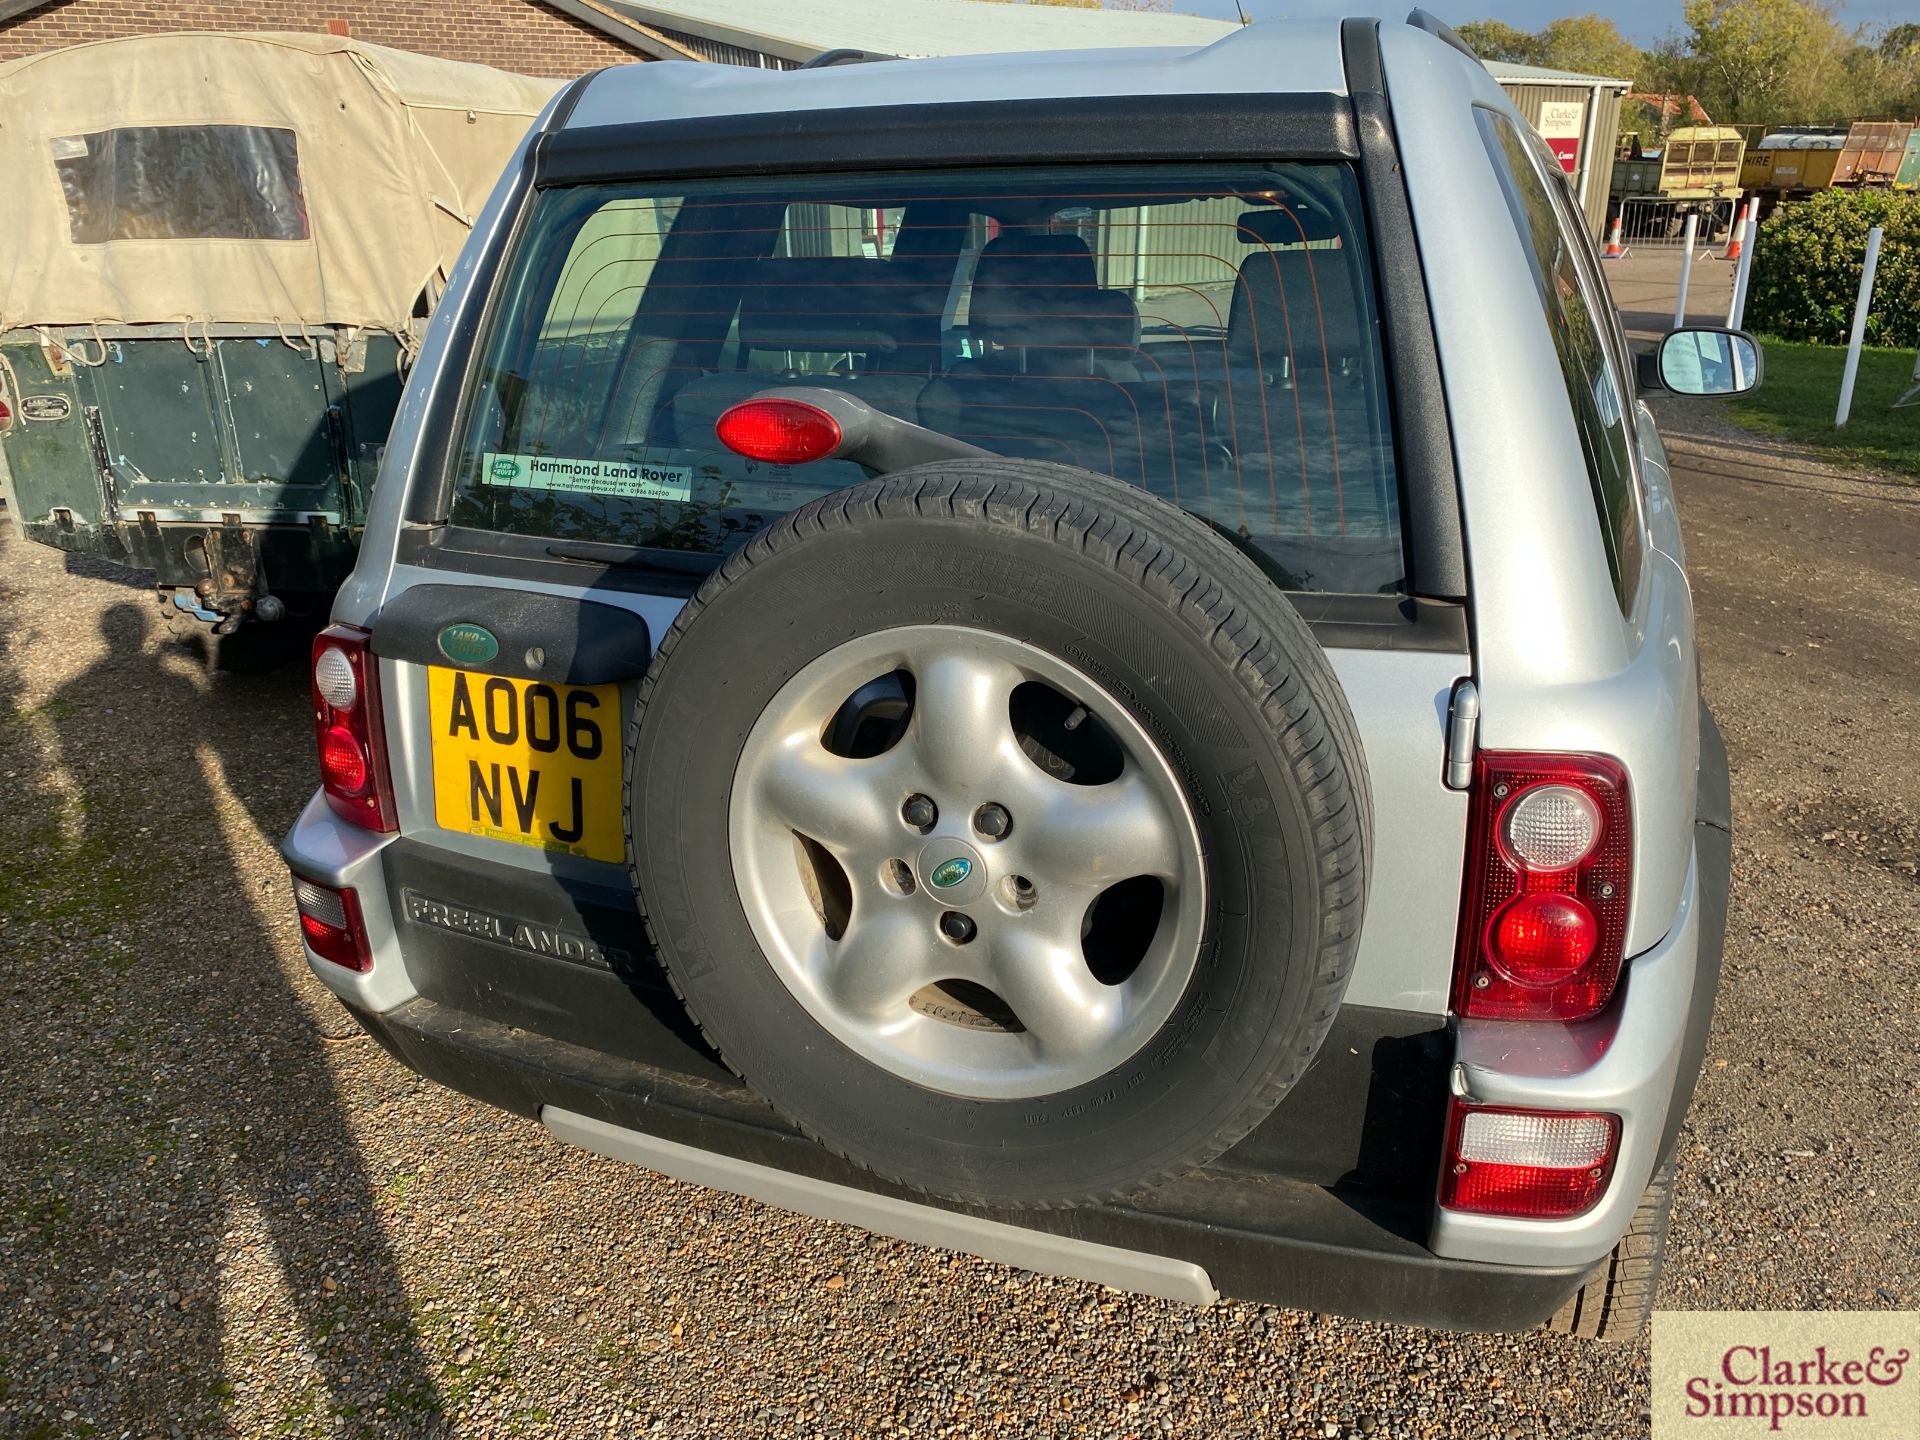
[{"x": 1709, "y": 360}]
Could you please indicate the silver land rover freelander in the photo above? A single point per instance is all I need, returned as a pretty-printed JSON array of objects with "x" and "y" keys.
[{"x": 1083, "y": 657}]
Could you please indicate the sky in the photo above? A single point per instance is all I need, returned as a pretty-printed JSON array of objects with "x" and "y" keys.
[{"x": 1642, "y": 21}]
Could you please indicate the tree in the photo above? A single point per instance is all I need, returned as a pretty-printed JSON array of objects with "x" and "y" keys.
[
  {"x": 1497, "y": 40},
  {"x": 1763, "y": 60},
  {"x": 1589, "y": 44}
]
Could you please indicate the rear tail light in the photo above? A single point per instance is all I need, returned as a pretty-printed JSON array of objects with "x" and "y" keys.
[
  {"x": 1543, "y": 920},
  {"x": 330, "y": 924},
  {"x": 780, "y": 432},
  {"x": 6, "y": 416},
  {"x": 1534, "y": 1164},
  {"x": 348, "y": 729}
]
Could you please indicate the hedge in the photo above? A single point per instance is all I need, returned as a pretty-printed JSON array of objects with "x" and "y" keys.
[{"x": 1806, "y": 268}]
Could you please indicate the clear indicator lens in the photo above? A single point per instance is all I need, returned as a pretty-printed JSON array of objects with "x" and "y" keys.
[
  {"x": 333, "y": 678},
  {"x": 1542, "y": 1142},
  {"x": 316, "y": 902},
  {"x": 1552, "y": 827}
]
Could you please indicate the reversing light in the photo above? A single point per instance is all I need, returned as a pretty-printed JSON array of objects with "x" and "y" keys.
[
  {"x": 330, "y": 924},
  {"x": 1552, "y": 826},
  {"x": 1531, "y": 1164},
  {"x": 780, "y": 432},
  {"x": 333, "y": 678}
]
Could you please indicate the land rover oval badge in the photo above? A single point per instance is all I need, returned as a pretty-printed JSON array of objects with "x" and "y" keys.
[
  {"x": 950, "y": 873},
  {"x": 46, "y": 407},
  {"x": 468, "y": 644}
]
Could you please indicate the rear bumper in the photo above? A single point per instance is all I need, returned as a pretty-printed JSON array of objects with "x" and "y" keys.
[
  {"x": 1226, "y": 1233},
  {"x": 1239, "y": 1229}
]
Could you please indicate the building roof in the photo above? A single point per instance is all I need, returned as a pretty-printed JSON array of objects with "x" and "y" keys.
[
  {"x": 798, "y": 30},
  {"x": 1274, "y": 57},
  {"x": 1508, "y": 72}
]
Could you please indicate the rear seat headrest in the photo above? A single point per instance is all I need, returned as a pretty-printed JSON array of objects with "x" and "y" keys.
[
  {"x": 1054, "y": 316},
  {"x": 1287, "y": 225},
  {"x": 833, "y": 304},
  {"x": 1035, "y": 260}
]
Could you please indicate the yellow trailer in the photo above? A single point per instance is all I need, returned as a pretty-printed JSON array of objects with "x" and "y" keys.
[{"x": 1702, "y": 162}]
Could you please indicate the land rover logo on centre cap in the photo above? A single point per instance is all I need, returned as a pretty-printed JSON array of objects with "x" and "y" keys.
[
  {"x": 468, "y": 644},
  {"x": 949, "y": 873}
]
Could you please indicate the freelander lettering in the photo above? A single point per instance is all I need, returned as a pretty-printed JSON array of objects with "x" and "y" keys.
[
  {"x": 536, "y": 712},
  {"x": 1755, "y": 1384},
  {"x": 502, "y": 930}
]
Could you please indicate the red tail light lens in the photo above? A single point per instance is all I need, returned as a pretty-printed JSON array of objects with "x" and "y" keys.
[
  {"x": 6, "y": 417},
  {"x": 348, "y": 729},
  {"x": 1543, "y": 920},
  {"x": 780, "y": 432},
  {"x": 330, "y": 924},
  {"x": 1535, "y": 1164}
]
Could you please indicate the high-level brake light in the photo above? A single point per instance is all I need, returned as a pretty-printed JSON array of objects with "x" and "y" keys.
[{"x": 780, "y": 432}]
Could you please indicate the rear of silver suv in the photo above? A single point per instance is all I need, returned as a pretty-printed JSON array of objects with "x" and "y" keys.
[{"x": 1357, "y": 353}]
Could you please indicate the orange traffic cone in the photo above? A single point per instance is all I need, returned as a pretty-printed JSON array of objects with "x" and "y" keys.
[
  {"x": 1615, "y": 250},
  {"x": 1733, "y": 235}
]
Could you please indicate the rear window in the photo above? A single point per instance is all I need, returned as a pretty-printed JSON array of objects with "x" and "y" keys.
[
  {"x": 1208, "y": 334},
  {"x": 182, "y": 182}
]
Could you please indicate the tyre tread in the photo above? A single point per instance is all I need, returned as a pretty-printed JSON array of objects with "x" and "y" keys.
[{"x": 1155, "y": 546}]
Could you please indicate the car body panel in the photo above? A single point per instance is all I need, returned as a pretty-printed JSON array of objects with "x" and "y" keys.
[{"x": 1560, "y": 662}]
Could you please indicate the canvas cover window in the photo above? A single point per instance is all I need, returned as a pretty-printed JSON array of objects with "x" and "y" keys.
[{"x": 182, "y": 182}]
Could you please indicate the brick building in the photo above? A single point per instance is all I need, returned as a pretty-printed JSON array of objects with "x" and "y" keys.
[{"x": 533, "y": 37}]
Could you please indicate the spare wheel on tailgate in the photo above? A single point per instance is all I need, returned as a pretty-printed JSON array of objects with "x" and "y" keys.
[{"x": 1004, "y": 827}]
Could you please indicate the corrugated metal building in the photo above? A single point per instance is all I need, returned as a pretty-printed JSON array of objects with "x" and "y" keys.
[
  {"x": 1578, "y": 114},
  {"x": 1580, "y": 117}
]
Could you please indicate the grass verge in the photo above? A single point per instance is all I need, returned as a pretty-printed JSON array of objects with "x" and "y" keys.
[{"x": 1802, "y": 386}]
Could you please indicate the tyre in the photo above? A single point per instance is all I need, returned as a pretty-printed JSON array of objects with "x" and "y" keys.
[
  {"x": 1616, "y": 1300},
  {"x": 1004, "y": 828}
]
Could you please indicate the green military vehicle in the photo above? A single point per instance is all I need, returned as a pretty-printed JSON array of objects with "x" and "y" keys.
[{"x": 219, "y": 252}]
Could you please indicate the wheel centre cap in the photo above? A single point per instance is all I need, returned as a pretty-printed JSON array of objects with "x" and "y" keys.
[{"x": 952, "y": 872}]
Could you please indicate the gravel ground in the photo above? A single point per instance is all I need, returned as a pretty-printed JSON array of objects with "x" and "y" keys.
[{"x": 224, "y": 1212}]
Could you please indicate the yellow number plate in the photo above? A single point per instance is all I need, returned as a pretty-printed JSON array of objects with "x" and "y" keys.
[{"x": 529, "y": 762}]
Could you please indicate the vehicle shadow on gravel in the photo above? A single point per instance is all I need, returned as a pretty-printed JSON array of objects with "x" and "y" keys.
[{"x": 176, "y": 1122}]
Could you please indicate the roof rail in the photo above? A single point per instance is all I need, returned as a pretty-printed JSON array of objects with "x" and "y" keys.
[
  {"x": 1440, "y": 30},
  {"x": 843, "y": 57}
]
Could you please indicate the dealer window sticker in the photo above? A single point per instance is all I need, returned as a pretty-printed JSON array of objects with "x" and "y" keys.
[{"x": 626, "y": 479}]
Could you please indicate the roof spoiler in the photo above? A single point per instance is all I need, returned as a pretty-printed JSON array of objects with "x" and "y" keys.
[
  {"x": 1440, "y": 30},
  {"x": 843, "y": 56}
]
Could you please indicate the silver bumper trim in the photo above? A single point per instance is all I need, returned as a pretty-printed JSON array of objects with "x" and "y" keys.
[
  {"x": 1156, "y": 1275},
  {"x": 326, "y": 849}
]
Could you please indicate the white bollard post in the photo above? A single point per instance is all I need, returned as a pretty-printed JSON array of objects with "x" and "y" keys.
[
  {"x": 1860, "y": 308},
  {"x": 1686, "y": 270},
  {"x": 1737, "y": 308}
]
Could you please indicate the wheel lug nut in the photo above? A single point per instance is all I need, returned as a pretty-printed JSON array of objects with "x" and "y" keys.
[
  {"x": 919, "y": 812},
  {"x": 956, "y": 927},
  {"x": 992, "y": 821}
]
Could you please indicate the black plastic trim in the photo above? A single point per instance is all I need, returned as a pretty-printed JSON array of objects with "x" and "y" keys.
[
  {"x": 1259, "y": 1238},
  {"x": 557, "y": 638},
  {"x": 1713, "y": 879},
  {"x": 1139, "y": 128},
  {"x": 589, "y": 564},
  {"x": 1440, "y": 30},
  {"x": 1436, "y": 553}
]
